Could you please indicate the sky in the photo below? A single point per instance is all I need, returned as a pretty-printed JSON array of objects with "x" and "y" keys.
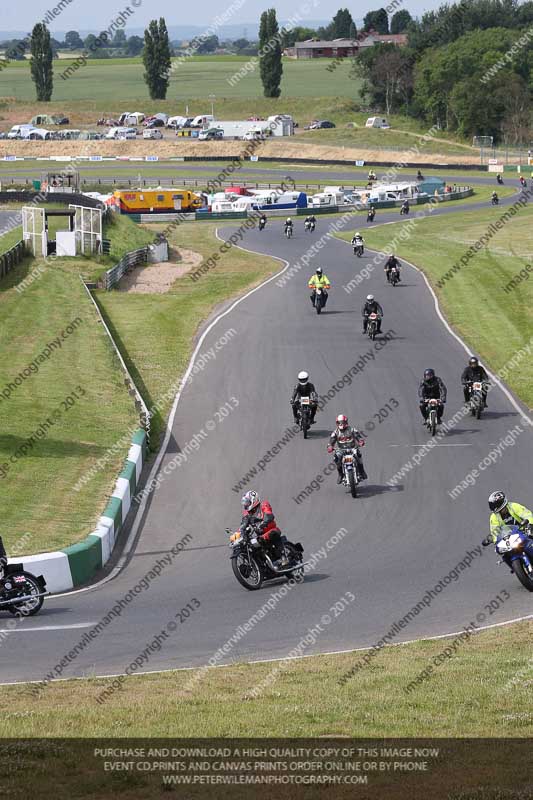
[{"x": 98, "y": 14}]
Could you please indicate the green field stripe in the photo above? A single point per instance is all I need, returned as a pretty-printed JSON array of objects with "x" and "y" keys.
[
  {"x": 139, "y": 437},
  {"x": 114, "y": 510},
  {"x": 130, "y": 473},
  {"x": 84, "y": 559}
]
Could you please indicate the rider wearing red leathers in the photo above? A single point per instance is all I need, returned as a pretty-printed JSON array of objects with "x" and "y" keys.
[
  {"x": 344, "y": 438},
  {"x": 259, "y": 513}
]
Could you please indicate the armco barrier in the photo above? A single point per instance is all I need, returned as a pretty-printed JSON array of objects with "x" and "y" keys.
[
  {"x": 77, "y": 564},
  {"x": 11, "y": 258}
]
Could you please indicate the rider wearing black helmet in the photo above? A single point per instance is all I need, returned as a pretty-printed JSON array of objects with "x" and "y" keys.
[
  {"x": 474, "y": 372},
  {"x": 431, "y": 388},
  {"x": 503, "y": 512}
]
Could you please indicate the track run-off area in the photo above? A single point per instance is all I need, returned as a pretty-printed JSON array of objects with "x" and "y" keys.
[{"x": 404, "y": 543}]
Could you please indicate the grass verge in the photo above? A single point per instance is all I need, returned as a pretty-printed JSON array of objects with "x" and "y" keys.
[
  {"x": 495, "y": 323},
  {"x": 483, "y": 690}
]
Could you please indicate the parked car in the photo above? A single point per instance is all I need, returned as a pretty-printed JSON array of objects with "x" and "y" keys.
[
  {"x": 211, "y": 133},
  {"x": 39, "y": 134},
  {"x": 3, "y": 135},
  {"x": 156, "y": 122},
  {"x": 152, "y": 133},
  {"x": 317, "y": 124}
]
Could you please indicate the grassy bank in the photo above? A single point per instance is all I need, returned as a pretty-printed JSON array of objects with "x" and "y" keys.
[
  {"x": 495, "y": 323},
  {"x": 470, "y": 694}
]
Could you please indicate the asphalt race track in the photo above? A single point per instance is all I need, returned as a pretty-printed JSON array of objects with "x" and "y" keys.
[{"x": 399, "y": 542}]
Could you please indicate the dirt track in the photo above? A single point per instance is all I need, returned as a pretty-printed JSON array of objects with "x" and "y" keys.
[{"x": 282, "y": 147}]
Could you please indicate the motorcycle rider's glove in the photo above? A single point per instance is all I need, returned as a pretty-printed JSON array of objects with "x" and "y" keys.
[
  {"x": 330, "y": 449},
  {"x": 487, "y": 541},
  {"x": 529, "y": 530}
]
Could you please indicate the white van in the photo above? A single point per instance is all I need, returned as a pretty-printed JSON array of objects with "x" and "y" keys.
[
  {"x": 201, "y": 120},
  {"x": 121, "y": 133},
  {"x": 19, "y": 131},
  {"x": 377, "y": 122}
]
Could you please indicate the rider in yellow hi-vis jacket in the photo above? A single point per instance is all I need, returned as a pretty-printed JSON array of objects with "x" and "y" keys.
[
  {"x": 503, "y": 512},
  {"x": 319, "y": 281}
]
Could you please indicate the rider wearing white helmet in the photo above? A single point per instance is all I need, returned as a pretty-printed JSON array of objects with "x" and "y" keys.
[
  {"x": 371, "y": 306},
  {"x": 304, "y": 388}
]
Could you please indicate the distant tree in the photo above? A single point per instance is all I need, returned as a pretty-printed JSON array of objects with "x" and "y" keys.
[
  {"x": 15, "y": 49},
  {"x": 270, "y": 66},
  {"x": 135, "y": 46},
  {"x": 42, "y": 71},
  {"x": 342, "y": 24},
  {"x": 56, "y": 46},
  {"x": 377, "y": 21},
  {"x": 73, "y": 40},
  {"x": 387, "y": 72},
  {"x": 400, "y": 21},
  {"x": 241, "y": 44},
  {"x": 89, "y": 42},
  {"x": 156, "y": 59},
  {"x": 208, "y": 45},
  {"x": 297, "y": 34},
  {"x": 119, "y": 39}
]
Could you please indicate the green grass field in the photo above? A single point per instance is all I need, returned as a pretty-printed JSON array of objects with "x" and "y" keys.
[
  {"x": 471, "y": 694},
  {"x": 496, "y": 324},
  {"x": 107, "y": 81}
]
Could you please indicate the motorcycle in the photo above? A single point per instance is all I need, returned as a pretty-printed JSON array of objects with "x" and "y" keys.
[
  {"x": 523, "y": 183},
  {"x": 21, "y": 593},
  {"x": 305, "y": 415},
  {"x": 419, "y": 176},
  {"x": 252, "y": 564},
  {"x": 288, "y": 231},
  {"x": 394, "y": 276},
  {"x": 320, "y": 300},
  {"x": 309, "y": 226},
  {"x": 358, "y": 250},
  {"x": 262, "y": 224},
  {"x": 516, "y": 549},
  {"x": 499, "y": 179},
  {"x": 372, "y": 327},
  {"x": 370, "y": 216},
  {"x": 350, "y": 477},
  {"x": 431, "y": 420},
  {"x": 404, "y": 210},
  {"x": 476, "y": 398},
  {"x": 495, "y": 200}
]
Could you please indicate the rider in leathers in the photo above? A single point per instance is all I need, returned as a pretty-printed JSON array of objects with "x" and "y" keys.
[
  {"x": 259, "y": 513},
  {"x": 343, "y": 438},
  {"x": 431, "y": 388},
  {"x": 474, "y": 372},
  {"x": 371, "y": 306},
  {"x": 391, "y": 262},
  {"x": 304, "y": 388}
]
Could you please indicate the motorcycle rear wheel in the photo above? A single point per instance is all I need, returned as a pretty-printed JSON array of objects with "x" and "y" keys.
[
  {"x": 252, "y": 579},
  {"x": 521, "y": 574}
]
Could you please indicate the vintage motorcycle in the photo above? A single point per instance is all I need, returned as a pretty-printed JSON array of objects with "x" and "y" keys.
[{"x": 252, "y": 563}]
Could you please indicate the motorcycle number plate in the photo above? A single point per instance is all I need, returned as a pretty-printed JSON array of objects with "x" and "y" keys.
[
  {"x": 348, "y": 459},
  {"x": 477, "y": 387},
  {"x": 305, "y": 401}
]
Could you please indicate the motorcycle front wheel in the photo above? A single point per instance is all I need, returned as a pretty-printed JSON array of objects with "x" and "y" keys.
[
  {"x": 524, "y": 578},
  {"x": 28, "y": 608},
  {"x": 247, "y": 571},
  {"x": 352, "y": 483}
]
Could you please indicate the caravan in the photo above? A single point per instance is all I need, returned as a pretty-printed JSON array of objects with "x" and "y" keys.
[{"x": 377, "y": 122}]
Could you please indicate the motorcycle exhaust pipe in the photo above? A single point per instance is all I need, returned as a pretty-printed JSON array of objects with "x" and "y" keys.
[
  {"x": 17, "y": 600},
  {"x": 282, "y": 571}
]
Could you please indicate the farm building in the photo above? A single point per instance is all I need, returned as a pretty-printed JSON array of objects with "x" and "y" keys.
[{"x": 342, "y": 48}]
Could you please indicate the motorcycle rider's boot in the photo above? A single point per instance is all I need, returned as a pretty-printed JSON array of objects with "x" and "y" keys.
[
  {"x": 362, "y": 473},
  {"x": 340, "y": 476}
]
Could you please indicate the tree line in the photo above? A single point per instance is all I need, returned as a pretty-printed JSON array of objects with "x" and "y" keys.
[{"x": 468, "y": 68}]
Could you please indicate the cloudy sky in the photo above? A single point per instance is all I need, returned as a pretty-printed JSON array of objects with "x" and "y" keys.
[{"x": 98, "y": 14}]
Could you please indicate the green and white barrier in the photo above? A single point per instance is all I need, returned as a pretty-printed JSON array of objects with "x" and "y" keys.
[{"x": 75, "y": 565}]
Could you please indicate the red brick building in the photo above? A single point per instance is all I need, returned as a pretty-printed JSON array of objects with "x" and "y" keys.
[{"x": 342, "y": 48}]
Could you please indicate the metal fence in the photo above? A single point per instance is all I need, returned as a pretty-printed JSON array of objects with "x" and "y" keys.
[
  {"x": 127, "y": 262},
  {"x": 158, "y": 251},
  {"x": 11, "y": 258}
]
